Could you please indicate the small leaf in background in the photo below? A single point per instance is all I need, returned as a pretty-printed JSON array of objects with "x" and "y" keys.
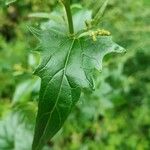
[
  {"x": 100, "y": 12},
  {"x": 24, "y": 90},
  {"x": 8, "y": 2},
  {"x": 14, "y": 134},
  {"x": 79, "y": 19}
]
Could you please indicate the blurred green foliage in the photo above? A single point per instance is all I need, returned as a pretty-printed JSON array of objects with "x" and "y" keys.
[{"x": 116, "y": 116}]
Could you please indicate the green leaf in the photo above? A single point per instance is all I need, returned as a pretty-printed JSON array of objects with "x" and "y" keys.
[
  {"x": 79, "y": 19},
  {"x": 101, "y": 10},
  {"x": 24, "y": 90},
  {"x": 8, "y": 2},
  {"x": 52, "y": 16},
  {"x": 66, "y": 68},
  {"x": 14, "y": 134}
]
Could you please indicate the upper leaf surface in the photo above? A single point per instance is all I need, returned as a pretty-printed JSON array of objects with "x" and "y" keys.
[{"x": 66, "y": 68}]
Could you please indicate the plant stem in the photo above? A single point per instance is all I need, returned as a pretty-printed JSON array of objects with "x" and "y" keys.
[{"x": 69, "y": 15}]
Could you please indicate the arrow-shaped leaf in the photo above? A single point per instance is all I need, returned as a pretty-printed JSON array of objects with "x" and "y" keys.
[{"x": 66, "y": 68}]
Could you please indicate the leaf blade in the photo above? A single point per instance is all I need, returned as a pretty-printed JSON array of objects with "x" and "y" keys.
[
  {"x": 66, "y": 68},
  {"x": 58, "y": 77}
]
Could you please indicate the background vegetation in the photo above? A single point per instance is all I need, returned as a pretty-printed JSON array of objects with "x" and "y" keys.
[{"x": 116, "y": 116}]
